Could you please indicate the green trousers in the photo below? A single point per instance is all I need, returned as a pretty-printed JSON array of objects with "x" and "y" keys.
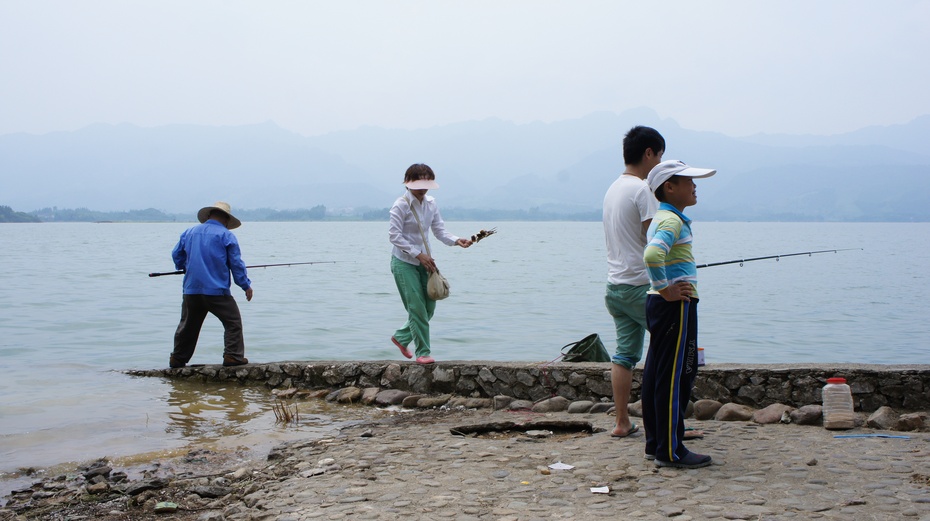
[{"x": 411, "y": 283}]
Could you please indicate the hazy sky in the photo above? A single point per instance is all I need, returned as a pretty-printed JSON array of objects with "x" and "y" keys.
[{"x": 736, "y": 67}]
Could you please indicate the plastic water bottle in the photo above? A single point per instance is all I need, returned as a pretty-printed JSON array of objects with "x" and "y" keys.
[{"x": 838, "y": 405}]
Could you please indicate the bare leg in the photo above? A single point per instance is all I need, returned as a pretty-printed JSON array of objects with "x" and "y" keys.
[{"x": 621, "y": 379}]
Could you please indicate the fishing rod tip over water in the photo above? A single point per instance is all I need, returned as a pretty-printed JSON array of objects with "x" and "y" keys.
[{"x": 776, "y": 257}]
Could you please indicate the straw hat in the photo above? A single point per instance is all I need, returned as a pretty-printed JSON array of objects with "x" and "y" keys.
[{"x": 204, "y": 214}]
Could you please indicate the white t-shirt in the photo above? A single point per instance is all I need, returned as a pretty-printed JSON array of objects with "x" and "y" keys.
[{"x": 628, "y": 204}]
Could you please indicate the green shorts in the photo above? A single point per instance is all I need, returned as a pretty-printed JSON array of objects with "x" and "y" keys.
[{"x": 627, "y": 304}]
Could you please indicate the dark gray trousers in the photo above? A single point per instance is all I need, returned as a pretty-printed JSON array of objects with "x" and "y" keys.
[{"x": 194, "y": 309}]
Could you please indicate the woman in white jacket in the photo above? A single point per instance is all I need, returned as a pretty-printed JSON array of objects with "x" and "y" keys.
[{"x": 411, "y": 263}]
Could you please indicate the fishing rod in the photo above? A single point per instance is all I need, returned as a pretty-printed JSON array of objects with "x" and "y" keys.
[
  {"x": 776, "y": 257},
  {"x": 181, "y": 272}
]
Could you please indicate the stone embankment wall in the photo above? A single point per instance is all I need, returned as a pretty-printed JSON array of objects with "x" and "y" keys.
[{"x": 902, "y": 387}]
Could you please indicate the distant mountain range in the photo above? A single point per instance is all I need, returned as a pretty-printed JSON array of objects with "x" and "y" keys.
[{"x": 564, "y": 167}]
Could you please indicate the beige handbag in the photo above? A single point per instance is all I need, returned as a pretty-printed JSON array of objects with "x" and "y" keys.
[{"x": 437, "y": 287}]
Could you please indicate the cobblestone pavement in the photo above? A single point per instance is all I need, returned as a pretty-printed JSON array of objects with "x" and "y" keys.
[{"x": 410, "y": 466}]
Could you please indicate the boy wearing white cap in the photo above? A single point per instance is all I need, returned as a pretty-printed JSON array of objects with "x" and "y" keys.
[{"x": 671, "y": 316}]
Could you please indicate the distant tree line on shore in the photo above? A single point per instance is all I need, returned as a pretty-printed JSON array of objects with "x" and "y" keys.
[
  {"x": 7, "y": 215},
  {"x": 317, "y": 213},
  {"x": 533, "y": 214},
  {"x": 55, "y": 214},
  {"x": 471, "y": 214}
]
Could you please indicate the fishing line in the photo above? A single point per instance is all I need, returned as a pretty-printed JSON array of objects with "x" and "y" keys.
[
  {"x": 181, "y": 272},
  {"x": 776, "y": 257}
]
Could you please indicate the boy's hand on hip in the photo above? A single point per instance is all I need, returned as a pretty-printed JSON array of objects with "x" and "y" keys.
[{"x": 680, "y": 290}]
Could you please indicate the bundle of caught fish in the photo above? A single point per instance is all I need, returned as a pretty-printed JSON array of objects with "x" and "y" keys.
[{"x": 482, "y": 234}]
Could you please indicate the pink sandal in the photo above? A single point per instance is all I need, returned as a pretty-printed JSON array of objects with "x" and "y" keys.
[{"x": 403, "y": 350}]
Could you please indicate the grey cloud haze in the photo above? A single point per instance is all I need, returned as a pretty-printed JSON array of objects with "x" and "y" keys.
[{"x": 737, "y": 68}]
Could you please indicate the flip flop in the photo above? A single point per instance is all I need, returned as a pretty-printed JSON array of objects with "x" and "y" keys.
[
  {"x": 691, "y": 434},
  {"x": 634, "y": 429}
]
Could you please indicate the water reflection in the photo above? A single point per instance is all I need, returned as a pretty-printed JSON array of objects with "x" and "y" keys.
[
  {"x": 207, "y": 412},
  {"x": 159, "y": 419},
  {"x": 224, "y": 415}
]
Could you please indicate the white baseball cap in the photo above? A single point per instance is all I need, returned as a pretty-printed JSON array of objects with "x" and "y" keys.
[{"x": 666, "y": 169}]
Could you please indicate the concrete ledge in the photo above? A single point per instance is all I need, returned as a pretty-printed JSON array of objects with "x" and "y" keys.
[{"x": 902, "y": 387}]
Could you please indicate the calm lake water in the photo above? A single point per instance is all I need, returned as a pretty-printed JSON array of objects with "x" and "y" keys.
[{"x": 77, "y": 307}]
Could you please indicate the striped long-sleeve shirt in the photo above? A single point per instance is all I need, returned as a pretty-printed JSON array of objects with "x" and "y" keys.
[{"x": 668, "y": 255}]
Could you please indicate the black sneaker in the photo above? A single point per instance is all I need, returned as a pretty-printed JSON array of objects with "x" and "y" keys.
[
  {"x": 691, "y": 461},
  {"x": 175, "y": 364},
  {"x": 229, "y": 361}
]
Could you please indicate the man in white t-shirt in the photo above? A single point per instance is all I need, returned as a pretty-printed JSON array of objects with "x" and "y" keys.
[{"x": 628, "y": 209}]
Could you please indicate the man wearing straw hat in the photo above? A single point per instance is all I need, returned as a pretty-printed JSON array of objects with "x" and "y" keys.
[{"x": 207, "y": 254}]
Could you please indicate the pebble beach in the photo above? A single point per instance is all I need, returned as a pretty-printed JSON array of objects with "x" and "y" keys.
[{"x": 417, "y": 465}]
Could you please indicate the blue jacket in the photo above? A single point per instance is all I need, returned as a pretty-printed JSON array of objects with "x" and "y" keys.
[{"x": 208, "y": 253}]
